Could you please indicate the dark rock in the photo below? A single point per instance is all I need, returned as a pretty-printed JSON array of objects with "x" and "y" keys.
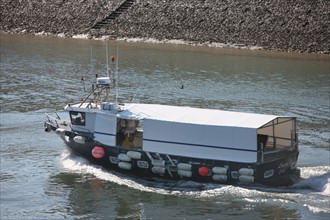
[{"x": 287, "y": 25}]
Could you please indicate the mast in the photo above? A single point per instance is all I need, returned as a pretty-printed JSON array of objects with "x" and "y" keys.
[
  {"x": 106, "y": 54},
  {"x": 116, "y": 73},
  {"x": 92, "y": 67},
  {"x": 91, "y": 59}
]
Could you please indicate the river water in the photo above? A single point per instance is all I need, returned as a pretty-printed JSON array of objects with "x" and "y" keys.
[{"x": 40, "y": 179}]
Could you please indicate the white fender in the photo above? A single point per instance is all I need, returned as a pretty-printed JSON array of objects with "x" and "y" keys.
[
  {"x": 160, "y": 170},
  {"x": 246, "y": 171},
  {"x": 219, "y": 177},
  {"x": 124, "y": 157},
  {"x": 134, "y": 155},
  {"x": 184, "y": 166},
  {"x": 158, "y": 163},
  {"x": 247, "y": 179},
  {"x": 185, "y": 173},
  {"x": 79, "y": 139},
  {"x": 219, "y": 170},
  {"x": 125, "y": 165},
  {"x": 60, "y": 131}
]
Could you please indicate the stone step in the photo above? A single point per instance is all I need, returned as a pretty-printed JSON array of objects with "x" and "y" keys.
[{"x": 113, "y": 15}]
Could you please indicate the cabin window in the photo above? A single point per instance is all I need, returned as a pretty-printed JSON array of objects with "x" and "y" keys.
[
  {"x": 278, "y": 134},
  {"x": 129, "y": 133},
  {"x": 78, "y": 118}
]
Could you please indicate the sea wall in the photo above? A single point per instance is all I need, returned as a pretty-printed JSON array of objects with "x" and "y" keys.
[
  {"x": 287, "y": 25},
  {"x": 53, "y": 16}
]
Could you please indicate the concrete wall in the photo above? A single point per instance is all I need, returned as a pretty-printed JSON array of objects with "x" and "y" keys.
[{"x": 289, "y": 25}]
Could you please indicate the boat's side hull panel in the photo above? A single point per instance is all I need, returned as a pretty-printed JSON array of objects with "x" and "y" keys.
[{"x": 151, "y": 164}]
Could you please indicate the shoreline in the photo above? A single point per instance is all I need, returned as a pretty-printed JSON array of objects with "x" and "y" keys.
[
  {"x": 216, "y": 48},
  {"x": 290, "y": 26}
]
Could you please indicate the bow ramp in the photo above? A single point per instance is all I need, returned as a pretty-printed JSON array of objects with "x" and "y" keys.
[{"x": 114, "y": 14}]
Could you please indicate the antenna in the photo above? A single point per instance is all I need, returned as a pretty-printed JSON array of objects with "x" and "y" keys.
[
  {"x": 91, "y": 58},
  {"x": 92, "y": 67},
  {"x": 106, "y": 54},
  {"x": 182, "y": 85},
  {"x": 83, "y": 82},
  {"x": 116, "y": 72},
  {"x": 91, "y": 71},
  {"x": 117, "y": 61},
  {"x": 136, "y": 91},
  {"x": 82, "y": 79}
]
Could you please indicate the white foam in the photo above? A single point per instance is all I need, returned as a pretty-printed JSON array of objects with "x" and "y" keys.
[
  {"x": 81, "y": 36},
  {"x": 191, "y": 43},
  {"x": 316, "y": 179},
  {"x": 43, "y": 33},
  {"x": 80, "y": 165},
  {"x": 104, "y": 37},
  {"x": 326, "y": 189},
  {"x": 76, "y": 164},
  {"x": 61, "y": 35},
  {"x": 315, "y": 209},
  {"x": 307, "y": 172},
  {"x": 313, "y": 191}
]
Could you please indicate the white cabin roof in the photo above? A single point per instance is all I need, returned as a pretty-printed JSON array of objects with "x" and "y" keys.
[{"x": 190, "y": 115}]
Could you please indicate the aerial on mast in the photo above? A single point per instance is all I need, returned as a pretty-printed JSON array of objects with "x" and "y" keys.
[
  {"x": 107, "y": 58},
  {"x": 116, "y": 73},
  {"x": 91, "y": 58}
]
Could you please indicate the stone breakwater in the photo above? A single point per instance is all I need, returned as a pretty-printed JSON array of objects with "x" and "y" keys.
[{"x": 286, "y": 25}]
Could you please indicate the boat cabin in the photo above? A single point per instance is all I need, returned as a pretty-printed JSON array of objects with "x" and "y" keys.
[{"x": 186, "y": 131}]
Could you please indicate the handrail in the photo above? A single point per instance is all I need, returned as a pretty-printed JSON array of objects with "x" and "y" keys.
[
  {"x": 276, "y": 150},
  {"x": 51, "y": 117}
]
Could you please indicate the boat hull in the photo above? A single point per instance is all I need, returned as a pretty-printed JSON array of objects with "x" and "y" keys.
[{"x": 279, "y": 172}]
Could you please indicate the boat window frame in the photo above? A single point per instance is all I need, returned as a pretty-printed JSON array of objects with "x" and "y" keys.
[
  {"x": 74, "y": 116},
  {"x": 129, "y": 133},
  {"x": 271, "y": 145}
]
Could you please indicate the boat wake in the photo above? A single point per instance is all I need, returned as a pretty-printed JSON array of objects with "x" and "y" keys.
[
  {"x": 313, "y": 190},
  {"x": 315, "y": 179}
]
